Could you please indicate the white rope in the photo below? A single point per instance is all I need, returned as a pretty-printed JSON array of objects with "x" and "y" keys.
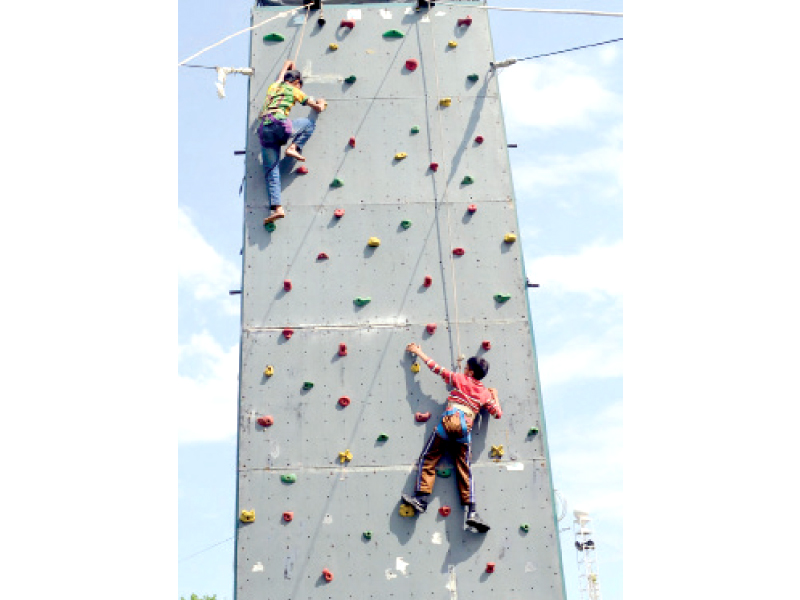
[
  {"x": 222, "y": 41},
  {"x": 567, "y": 11}
]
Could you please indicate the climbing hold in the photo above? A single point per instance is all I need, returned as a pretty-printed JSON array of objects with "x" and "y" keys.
[
  {"x": 412, "y": 64},
  {"x": 393, "y": 33},
  {"x": 382, "y": 437},
  {"x": 415, "y": 367},
  {"x": 288, "y": 516},
  {"x": 444, "y": 472},
  {"x": 302, "y": 169},
  {"x": 428, "y": 281},
  {"x": 405, "y": 224},
  {"x": 342, "y": 349},
  {"x": 415, "y": 129},
  {"x": 490, "y": 567},
  {"x": 497, "y": 451},
  {"x": 247, "y": 516},
  {"x": 269, "y": 371},
  {"x": 338, "y": 213},
  {"x": 434, "y": 167},
  {"x": 400, "y": 156},
  {"x": 287, "y": 285},
  {"x": 345, "y": 456},
  {"x": 337, "y": 182},
  {"x": 486, "y": 345},
  {"x": 444, "y": 510},
  {"x": 362, "y": 301},
  {"x": 327, "y": 575},
  {"x": 472, "y": 208},
  {"x": 510, "y": 238},
  {"x": 273, "y": 37},
  {"x": 352, "y": 142},
  {"x": 367, "y": 535},
  {"x": 479, "y": 139},
  {"x": 266, "y": 421},
  {"x": 333, "y": 46},
  {"x": 446, "y": 101},
  {"x": 452, "y": 44},
  {"x": 525, "y": 527},
  {"x": 347, "y": 23},
  {"x": 307, "y": 385},
  {"x": 422, "y": 417},
  {"x": 270, "y": 226},
  {"x": 406, "y": 510},
  {"x": 322, "y": 256},
  {"x": 288, "y": 333},
  {"x": 458, "y": 251},
  {"x": 533, "y": 431},
  {"x": 473, "y": 77},
  {"x": 351, "y": 79},
  {"x": 502, "y": 297},
  {"x": 344, "y": 401},
  {"x": 467, "y": 180},
  {"x": 430, "y": 328},
  {"x": 374, "y": 242},
  {"x": 289, "y": 478},
  {"x": 467, "y": 21}
]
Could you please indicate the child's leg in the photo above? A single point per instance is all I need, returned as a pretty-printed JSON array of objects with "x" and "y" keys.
[
  {"x": 426, "y": 467},
  {"x": 302, "y": 129},
  {"x": 270, "y": 156},
  {"x": 463, "y": 460}
]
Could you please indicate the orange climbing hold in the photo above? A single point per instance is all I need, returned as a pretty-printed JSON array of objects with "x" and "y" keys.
[
  {"x": 338, "y": 213},
  {"x": 471, "y": 209},
  {"x": 327, "y": 575}
]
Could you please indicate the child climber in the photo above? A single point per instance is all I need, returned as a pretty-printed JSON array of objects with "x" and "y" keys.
[
  {"x": 275, "y": 129},
  {"x": 465, "y": 401}
]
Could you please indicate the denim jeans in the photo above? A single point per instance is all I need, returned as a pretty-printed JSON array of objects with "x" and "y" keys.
[{"x": 271, "y": 155}]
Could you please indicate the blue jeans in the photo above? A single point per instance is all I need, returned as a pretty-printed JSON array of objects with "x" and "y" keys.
[{"x": 271, "y": 153}]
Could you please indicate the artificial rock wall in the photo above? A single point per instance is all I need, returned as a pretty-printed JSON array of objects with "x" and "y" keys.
[{"x": 414, "y": 156}]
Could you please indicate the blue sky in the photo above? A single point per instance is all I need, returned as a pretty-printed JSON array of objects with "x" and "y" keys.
[{"x": 565, "y": 114}]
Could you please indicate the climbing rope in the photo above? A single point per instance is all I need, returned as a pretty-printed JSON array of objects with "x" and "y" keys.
[
  {"x": 302, "y": 31},
  {"x": 563, "y": 11},
  {"x": 204, "y": 550},
  {"x": 510, "y": 61}
]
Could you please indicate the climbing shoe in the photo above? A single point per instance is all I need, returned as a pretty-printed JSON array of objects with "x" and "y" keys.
[
  {"x": 473, "y": 520},
  {"x": 416, "y": 503}
]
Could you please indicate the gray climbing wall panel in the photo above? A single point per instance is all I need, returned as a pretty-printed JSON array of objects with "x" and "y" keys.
[{"x": 334, "y": 502}]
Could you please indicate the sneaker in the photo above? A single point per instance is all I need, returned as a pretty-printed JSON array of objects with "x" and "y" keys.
[
  {"x": 473, "y": 520},
  {"x": 417, "y": 504}
]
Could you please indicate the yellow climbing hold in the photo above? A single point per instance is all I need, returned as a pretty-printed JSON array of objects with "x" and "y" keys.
[
  {"x": 345, "y": 456},
  {"x": 247, "y": 516},
  {"x": 406, "y": 510},
  {"x": 269, "y": 371},
  {"x": 446, "y": 101},
  {"x": 374, "y": 242},
  {"x": 510, "y": 238},
  {"x": 400, "y": 156},
  {"x": 415, "y": 367},
  {"x": 497, "y": 451},
  {"x": 452, "y": 43},
  {"x": 334, "y": 46}
]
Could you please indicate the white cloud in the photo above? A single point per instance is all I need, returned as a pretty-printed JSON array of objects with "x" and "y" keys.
[
  {"x": 553, "y": 94},
  {"x": 594, "y": 270},
  {"x": 208, "y": 398},
  {"x": 584, "y": 357},
  {"x": 201, "y": 269}
]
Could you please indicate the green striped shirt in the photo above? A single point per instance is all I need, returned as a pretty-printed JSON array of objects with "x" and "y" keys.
[{"x": 281, "y": 97}]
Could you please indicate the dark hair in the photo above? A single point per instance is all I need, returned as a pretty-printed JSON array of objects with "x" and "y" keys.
[
  {"x": 293, "y": 75},
  {"x": 478, "y": 366}
]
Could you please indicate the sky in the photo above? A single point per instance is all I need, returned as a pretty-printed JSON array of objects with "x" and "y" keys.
[{"x": 564, "y": 112}]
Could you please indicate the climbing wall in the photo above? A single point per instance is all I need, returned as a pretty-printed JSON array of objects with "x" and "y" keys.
[{"x": 402, "y": 229}]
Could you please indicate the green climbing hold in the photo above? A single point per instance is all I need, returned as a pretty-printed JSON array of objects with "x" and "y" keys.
[
  {"x": 351, "y": 79},
  {"x": 525, "y": 527},
  {"x": 502, "y": 297},
  {"x": 383, "y": 437},
  {"x": 473, "y": 77},
  {"x": 393, "y": 33},
  {"x": 362, "y": 301},
  {"x": 533, "y": 431},
  {"x": 405, "y": 224},
  {"x": 270, "y": 226},
  {"x": 290, "y": 478},
  {"x": 367, "y": 535},
  {"x": 308, "y": 385},
  {"x": 445, "y": 472},
  {"x": 273, "y": 37},
  {"x": 467, "y": 180},
  {"x": 337, "y": 183},
  {"x": 415, "y": 129}
]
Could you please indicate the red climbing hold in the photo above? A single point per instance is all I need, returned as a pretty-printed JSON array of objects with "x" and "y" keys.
[
  {"x": 288, "y": 333},
  {"x": 430, "y": 328},
  {"x": 348, "y": 24},
  {"x": 287, "y": 285},
  {"x": 467, "y": 21},
  {"x": 428, "y": 281},
  {"x": 342, "y": 349},
  {"x": 302, "y": 169},
  {"x": 322, "y": 256},
  {"x": 412, "y": 64},
  {"x": 434, "y": 167},
  {"x": 344, "y": 401},
  {"x": 352, "y": 142},
  {"x": 490, "y": 567},
  {"x": 327, "y": 575},
  {"x": 479, "y": 139},
  {"x": 422, "y": 417},
  {"x": 444, "y": 511},
  {"x": 338, "y": 213},
  {"x": 265, "y": 421},
  {"x": 458, "y": 251},
  {"x": 487, "y": 345},
  {"x": 471, "y": 209},
  {"x": 288, "y": 516}
]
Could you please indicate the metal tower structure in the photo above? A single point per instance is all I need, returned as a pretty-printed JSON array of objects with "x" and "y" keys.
[{"x": 588, "y": 570}]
